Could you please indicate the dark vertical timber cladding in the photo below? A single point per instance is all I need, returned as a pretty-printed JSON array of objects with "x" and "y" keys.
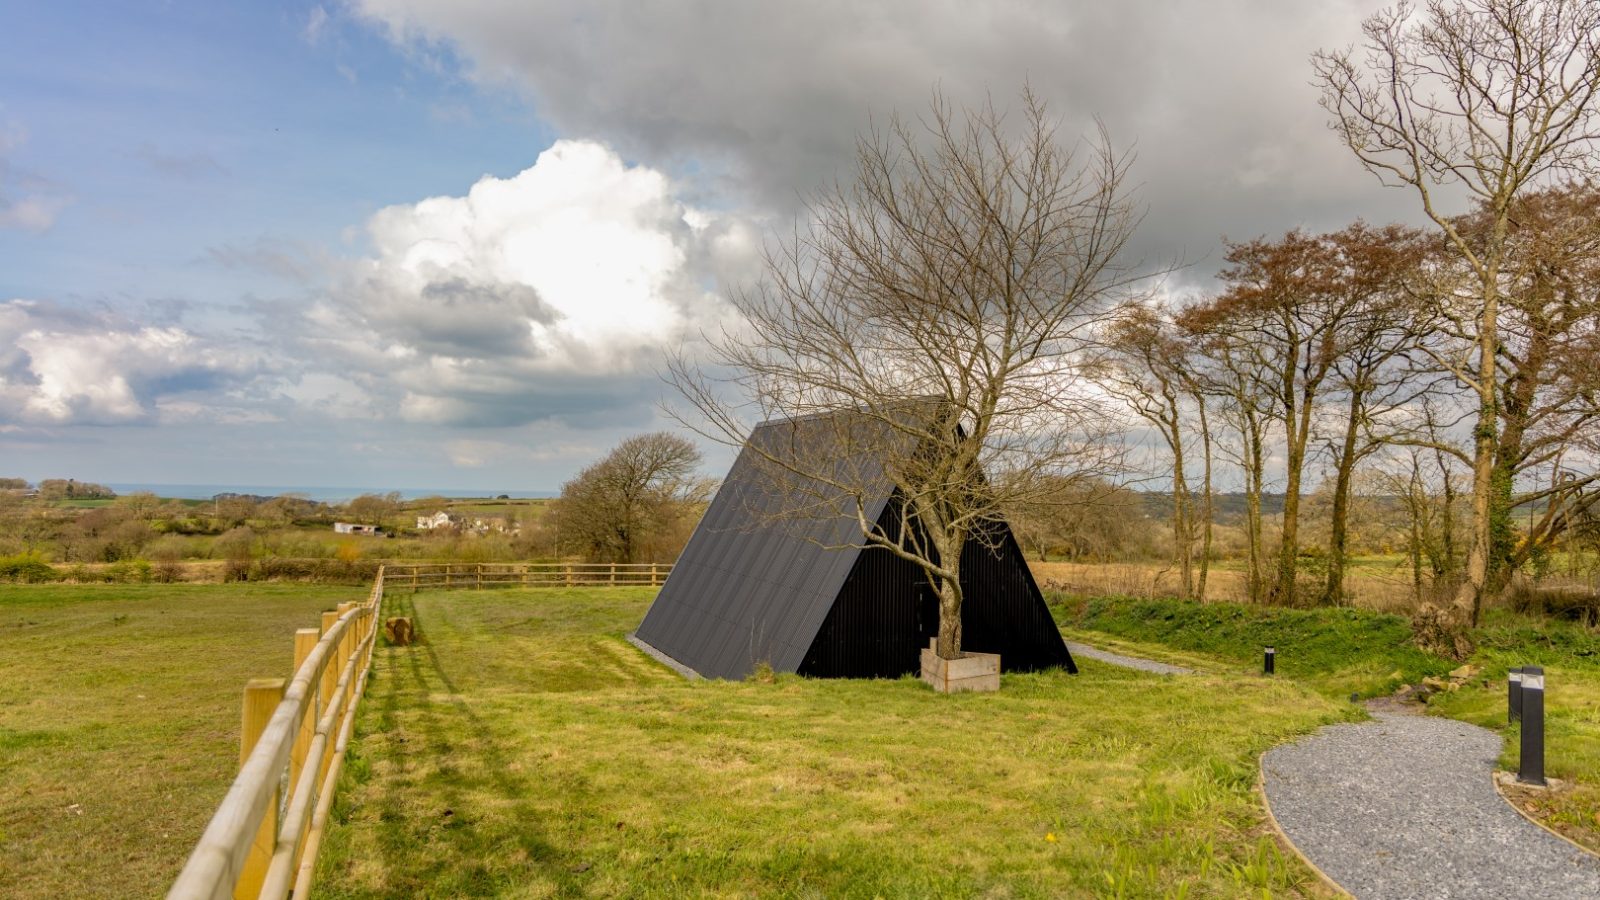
[
  {"x": 887, "y": 611},
  {"x": 1003, "y": 612},
  {"x": 880, "y": 621}
]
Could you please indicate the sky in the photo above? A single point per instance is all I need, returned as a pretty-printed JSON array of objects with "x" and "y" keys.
[{"x": 448, "y": 243}]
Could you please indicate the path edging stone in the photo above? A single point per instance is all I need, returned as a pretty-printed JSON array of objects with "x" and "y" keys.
[
  {"x": 1283, "y": 836},
  {"x": 1494, "y": 777}
]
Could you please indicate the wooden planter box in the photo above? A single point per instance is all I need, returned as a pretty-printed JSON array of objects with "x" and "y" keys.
[{"x": 972, "y": 672}]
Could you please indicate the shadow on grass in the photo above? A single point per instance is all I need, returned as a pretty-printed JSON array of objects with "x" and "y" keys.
[{"x": 452, "y": 813}]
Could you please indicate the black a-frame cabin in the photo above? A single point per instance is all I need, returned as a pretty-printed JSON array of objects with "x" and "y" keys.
[{"x": 759, "y": 583}]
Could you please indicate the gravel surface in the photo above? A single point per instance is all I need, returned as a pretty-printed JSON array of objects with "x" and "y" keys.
[
  {"x": 1403, "y": 807},
  {"x": 1128, "y": 662}
]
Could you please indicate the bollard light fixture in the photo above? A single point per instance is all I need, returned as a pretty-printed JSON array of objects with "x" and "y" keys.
[{"x": 1531, "y": 769}]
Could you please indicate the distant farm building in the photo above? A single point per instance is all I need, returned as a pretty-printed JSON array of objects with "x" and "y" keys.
[
  {"x": 354, "y": 528},
  {"x": 758, "y": 583},
  {"x": 440, "y": 519}
]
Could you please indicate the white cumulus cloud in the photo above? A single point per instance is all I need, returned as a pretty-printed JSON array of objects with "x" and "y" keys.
[
  {"x": 60, "y": 366},
  {"x": 547, "y": 294}
]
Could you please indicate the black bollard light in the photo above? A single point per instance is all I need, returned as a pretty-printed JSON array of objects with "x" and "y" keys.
[
  {"x": 1532, "y": 769},
  {"x": 1513, "y": 695},
  {"x": 1269, "y": 661}
]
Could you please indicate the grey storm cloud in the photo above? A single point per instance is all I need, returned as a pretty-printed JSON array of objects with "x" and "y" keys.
[
  {"x": 459, "y": 317},
  {"x": 758, "y": 103}
]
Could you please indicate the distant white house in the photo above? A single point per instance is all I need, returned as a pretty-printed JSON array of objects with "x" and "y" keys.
[
  {"x": 354, "y": 528},
  {"x": 440, "y": 519}
]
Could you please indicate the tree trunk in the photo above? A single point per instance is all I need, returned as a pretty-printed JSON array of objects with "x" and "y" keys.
[
  {"x": 1207, "y": 511},
  {"x": 1339, "y": 527},
  {"x": 1182, "y": 546},
  {"x": 1252, "y": 497},
  {"x": 949, "y": 644},
  {"x": 1297, "y": 432},
  {"x": 1414, "y": 505},
  {"x": 1515, "y": 407},
  {"x": 1447, "y": 514},
  {"x": 1469, "y": 597}
]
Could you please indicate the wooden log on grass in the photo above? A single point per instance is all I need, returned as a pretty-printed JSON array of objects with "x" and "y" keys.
[{"x": 399, "y": 631}]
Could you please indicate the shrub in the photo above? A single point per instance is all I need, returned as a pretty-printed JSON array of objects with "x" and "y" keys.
[
  {"x": 236, "y": 570},
  {"x": 27, "y": 568},
  {"x": 132, "y": 571},
  {"x": 168, "y": 571},
  {"x": 322, "y": 571}
]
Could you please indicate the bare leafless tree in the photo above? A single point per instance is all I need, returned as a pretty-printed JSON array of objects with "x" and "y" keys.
[
  {"x": 944, "y": 298},
  {"x": 1489, "y": 97},
  {"x": 1226, "y": 370},
  {"x": 1149, "y": 365}
]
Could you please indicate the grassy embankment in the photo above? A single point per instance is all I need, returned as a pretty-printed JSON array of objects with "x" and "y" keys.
[
  {"x": 119, "y": 723},
  {"x": 526, "y": 750},
  {"x": 1340, "y": 651}
]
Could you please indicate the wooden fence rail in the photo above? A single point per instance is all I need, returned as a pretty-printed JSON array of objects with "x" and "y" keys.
[
  {"x": 263, "y": 840},
  {"x": 441, "y": 576}
]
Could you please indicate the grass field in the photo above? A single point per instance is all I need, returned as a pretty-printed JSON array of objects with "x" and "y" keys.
[
  {"x": 525, "y": 750},
  {"x": 1339, "y": 651},
  {"x": 119, "y": 723}
]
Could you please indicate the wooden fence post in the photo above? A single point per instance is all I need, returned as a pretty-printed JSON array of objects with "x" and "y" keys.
[
  {"x": 653, "y": 581},
  {"x": 261, "y": 699},
  {"x": 305, "y": 641},
  {"x": 326, "y": 682},
  {"x": 479, "y": 568},
  {"x": 347, "y": 649},
  {"x": 613, "y": 573}
]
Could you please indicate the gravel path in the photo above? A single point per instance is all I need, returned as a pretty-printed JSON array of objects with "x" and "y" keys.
[
  {"x": 1127, "y": 662},
  {"x": 1403, "y": 807}
]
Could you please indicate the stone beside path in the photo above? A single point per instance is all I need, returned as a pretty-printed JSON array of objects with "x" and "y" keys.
[
  {"x": 1127, "y": 662},
  {"x": 1404, "y": 807}
]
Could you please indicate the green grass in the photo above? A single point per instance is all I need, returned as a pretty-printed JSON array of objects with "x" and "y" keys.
[
  {"x": 119, "y": 723},
  {"x": 1570, "y": 657},
  {"x": 1339, "y": 651},
  {"x": 1336, "y": 651},
  {"x": 525, "y": 750}
]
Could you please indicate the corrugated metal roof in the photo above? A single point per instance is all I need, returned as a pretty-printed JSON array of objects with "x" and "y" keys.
[
  {"x": 776, "y": 547},
  {"x": 761, "y": 571}
]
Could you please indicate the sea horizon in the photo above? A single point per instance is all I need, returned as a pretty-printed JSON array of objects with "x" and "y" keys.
[{"x": 323, "y": 494}]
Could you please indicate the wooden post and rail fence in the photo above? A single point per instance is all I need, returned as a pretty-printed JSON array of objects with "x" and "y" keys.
[
  {"x": 477, "y": 576},
  {"x": 262, "y": 841}
]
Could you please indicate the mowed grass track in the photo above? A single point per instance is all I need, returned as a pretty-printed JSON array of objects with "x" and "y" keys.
[
  {"x": 119, "y": 723},
  {"x": 525, "y": 750}
]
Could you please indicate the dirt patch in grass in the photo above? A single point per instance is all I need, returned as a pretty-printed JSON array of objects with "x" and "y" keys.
[{"x": 525, "y": 749}]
